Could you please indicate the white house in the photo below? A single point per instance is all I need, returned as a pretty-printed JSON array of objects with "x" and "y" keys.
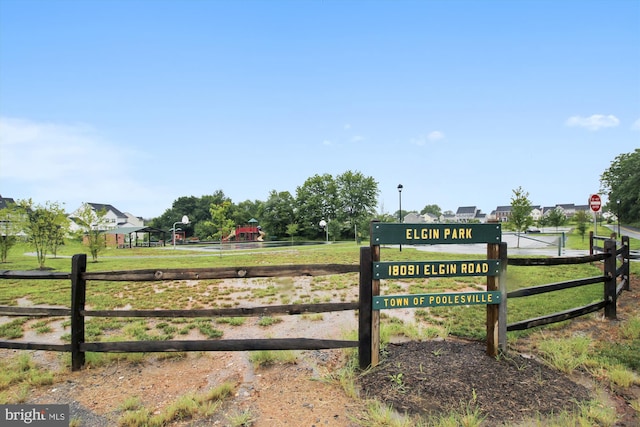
[
  {"x": 466, "y": 213},
  {"x": 413, "y": 218},
  {"x": 536, "y": 212},
  {"x": 113, "y": 218},
  {"x": 430, "y": 218}
]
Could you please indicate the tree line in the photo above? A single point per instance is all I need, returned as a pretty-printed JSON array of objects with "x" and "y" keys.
[{"x": 345, "y": 203}]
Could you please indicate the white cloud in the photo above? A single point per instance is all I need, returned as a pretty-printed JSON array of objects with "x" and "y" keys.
[
  {"x": 636, "y": 125},
  {"x": 327, "y": 142},
  {"x": 44, "y": 151},
  {"x": 593, "y": 122},
  {"x": 70, "y": 164},
  {"x": 431, "y": 137},
  {"x": 435, "y": 136},
  {"x": 357, "y": 138}
]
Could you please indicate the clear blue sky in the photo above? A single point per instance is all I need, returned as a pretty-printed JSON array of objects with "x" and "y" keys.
[{"x": 136, "y": 103}]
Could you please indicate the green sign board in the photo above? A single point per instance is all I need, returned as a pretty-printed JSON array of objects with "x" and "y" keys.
[
  {"x": 436, "y": 300},
  {"x": 431, "y": 234},
  {"x": 419, "y": 269}
]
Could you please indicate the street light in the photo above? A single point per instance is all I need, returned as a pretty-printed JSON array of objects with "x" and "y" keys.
[
  {"x": 618, "y": 215},
  {"x": 324, "y": 225},
  {"x": 400, "y": 210},
  {"x": 185, "y": 220},
  {"x": 400, "y": 203}
]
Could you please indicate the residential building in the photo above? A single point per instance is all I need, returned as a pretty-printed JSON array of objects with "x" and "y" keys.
[
  {"x": 480, "y": 217},
  {"x": 585, "y": 208},
  {"x": 430, "y": 218},
  {"x": 502, "y": 213},
  {"x": 413, "y": 218},
  {"x": 448, "y": 217},
  {"x": 6, "y": 201},
  {"x": 536, "y": 212},
  {"x": 466, "y": 213},
  {"x": 569, "y": 209},
  {"x": 113, "y": 218}
]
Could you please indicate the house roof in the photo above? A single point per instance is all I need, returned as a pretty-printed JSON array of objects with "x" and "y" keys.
[
  {"x": 566, "y": 206},
  {"x": 129, "y": 230},
  {"x": 101, "y": 206},
  {"x": 413, "y": 218},
  {"x": 503, "y": 208},
  {"x": 466, "y": 210},
  {"x": 6, "y": 201}
]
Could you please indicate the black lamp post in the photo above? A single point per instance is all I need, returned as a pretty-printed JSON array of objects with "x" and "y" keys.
[
  {"x": 400, "y": 203},
  {"x": 618, "y": 215},
  {"x": 400, "y": 206}
]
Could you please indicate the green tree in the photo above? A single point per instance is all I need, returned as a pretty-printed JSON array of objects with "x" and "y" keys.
[
  {"x": 245, "y": 211},
  {"x": 556, "y": 218},
  {"x": 582, "y": 219},
  {"x": 335, "y": 229},
  {"x": 520, "y": 211},
  {"x": 317, "y": 199},
  {"x": 277, "y": 213},
  {"x": 58, "y": 233},
  {"x": 196, "y": 208},
  {"x": 93, "y": 225},
  {"x": 621, "y": 182},
  {"x": 43, "y": 225},
  {"x": 292, "y": 229},
  {"x": 222, "y": 224},
  {"x": 432, "y": 209},
  {"x": 204, "y": 230},
  {"x": 10, "y": 226},
  {"x": 357, "y": 198}
]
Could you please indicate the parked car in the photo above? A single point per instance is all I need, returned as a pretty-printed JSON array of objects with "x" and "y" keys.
[{"x": 532, "y": 230}]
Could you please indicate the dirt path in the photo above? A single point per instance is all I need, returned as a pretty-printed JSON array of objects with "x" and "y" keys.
[{"x": 278, "y": 395}]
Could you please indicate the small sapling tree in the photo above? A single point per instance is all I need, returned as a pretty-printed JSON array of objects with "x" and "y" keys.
[
  {"x": 43, "y": 224},
  {"x": 520, "y": 211},
  {"x": 582, "y": 219},
  {"x": 92, "y": 223}
]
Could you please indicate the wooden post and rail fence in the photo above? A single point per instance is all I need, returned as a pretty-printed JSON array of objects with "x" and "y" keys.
[{"x": 371, "y": 270}]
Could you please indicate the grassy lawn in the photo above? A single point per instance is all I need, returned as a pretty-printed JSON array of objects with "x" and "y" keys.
[{"x": 460, "y": 320}]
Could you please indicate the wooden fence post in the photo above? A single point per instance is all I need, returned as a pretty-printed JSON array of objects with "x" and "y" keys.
[
  {"x": 610, "y": 295},
  {"x": 375, "y": 314},
  {"x": 625, "y": 263},
  {"x": 591, "y": 243},
  {"x": 78, "y": 298},
  {"x": 502, "y": 308},
  {"x": 366, "y": 309},
  {"x": 493, "y": 310}
]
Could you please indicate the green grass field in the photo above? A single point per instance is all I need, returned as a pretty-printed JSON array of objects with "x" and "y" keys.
[{"x": 462, "y": 321}]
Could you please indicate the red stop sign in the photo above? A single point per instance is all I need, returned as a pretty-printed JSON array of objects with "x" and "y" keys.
[{"x": 595, "y": 202}]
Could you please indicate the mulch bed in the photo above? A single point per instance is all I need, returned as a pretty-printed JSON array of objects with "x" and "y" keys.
[{"x": 441, "y": 376}]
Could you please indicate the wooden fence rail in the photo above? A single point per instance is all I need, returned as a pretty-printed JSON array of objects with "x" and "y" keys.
[
  {"x": 79, "y": 277},
  {"x": 609, "y": 278},
  {"x": 366, "y": 331}
]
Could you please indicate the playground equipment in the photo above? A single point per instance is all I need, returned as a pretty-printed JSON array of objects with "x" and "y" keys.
[{"x": 246, "y": 233}]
